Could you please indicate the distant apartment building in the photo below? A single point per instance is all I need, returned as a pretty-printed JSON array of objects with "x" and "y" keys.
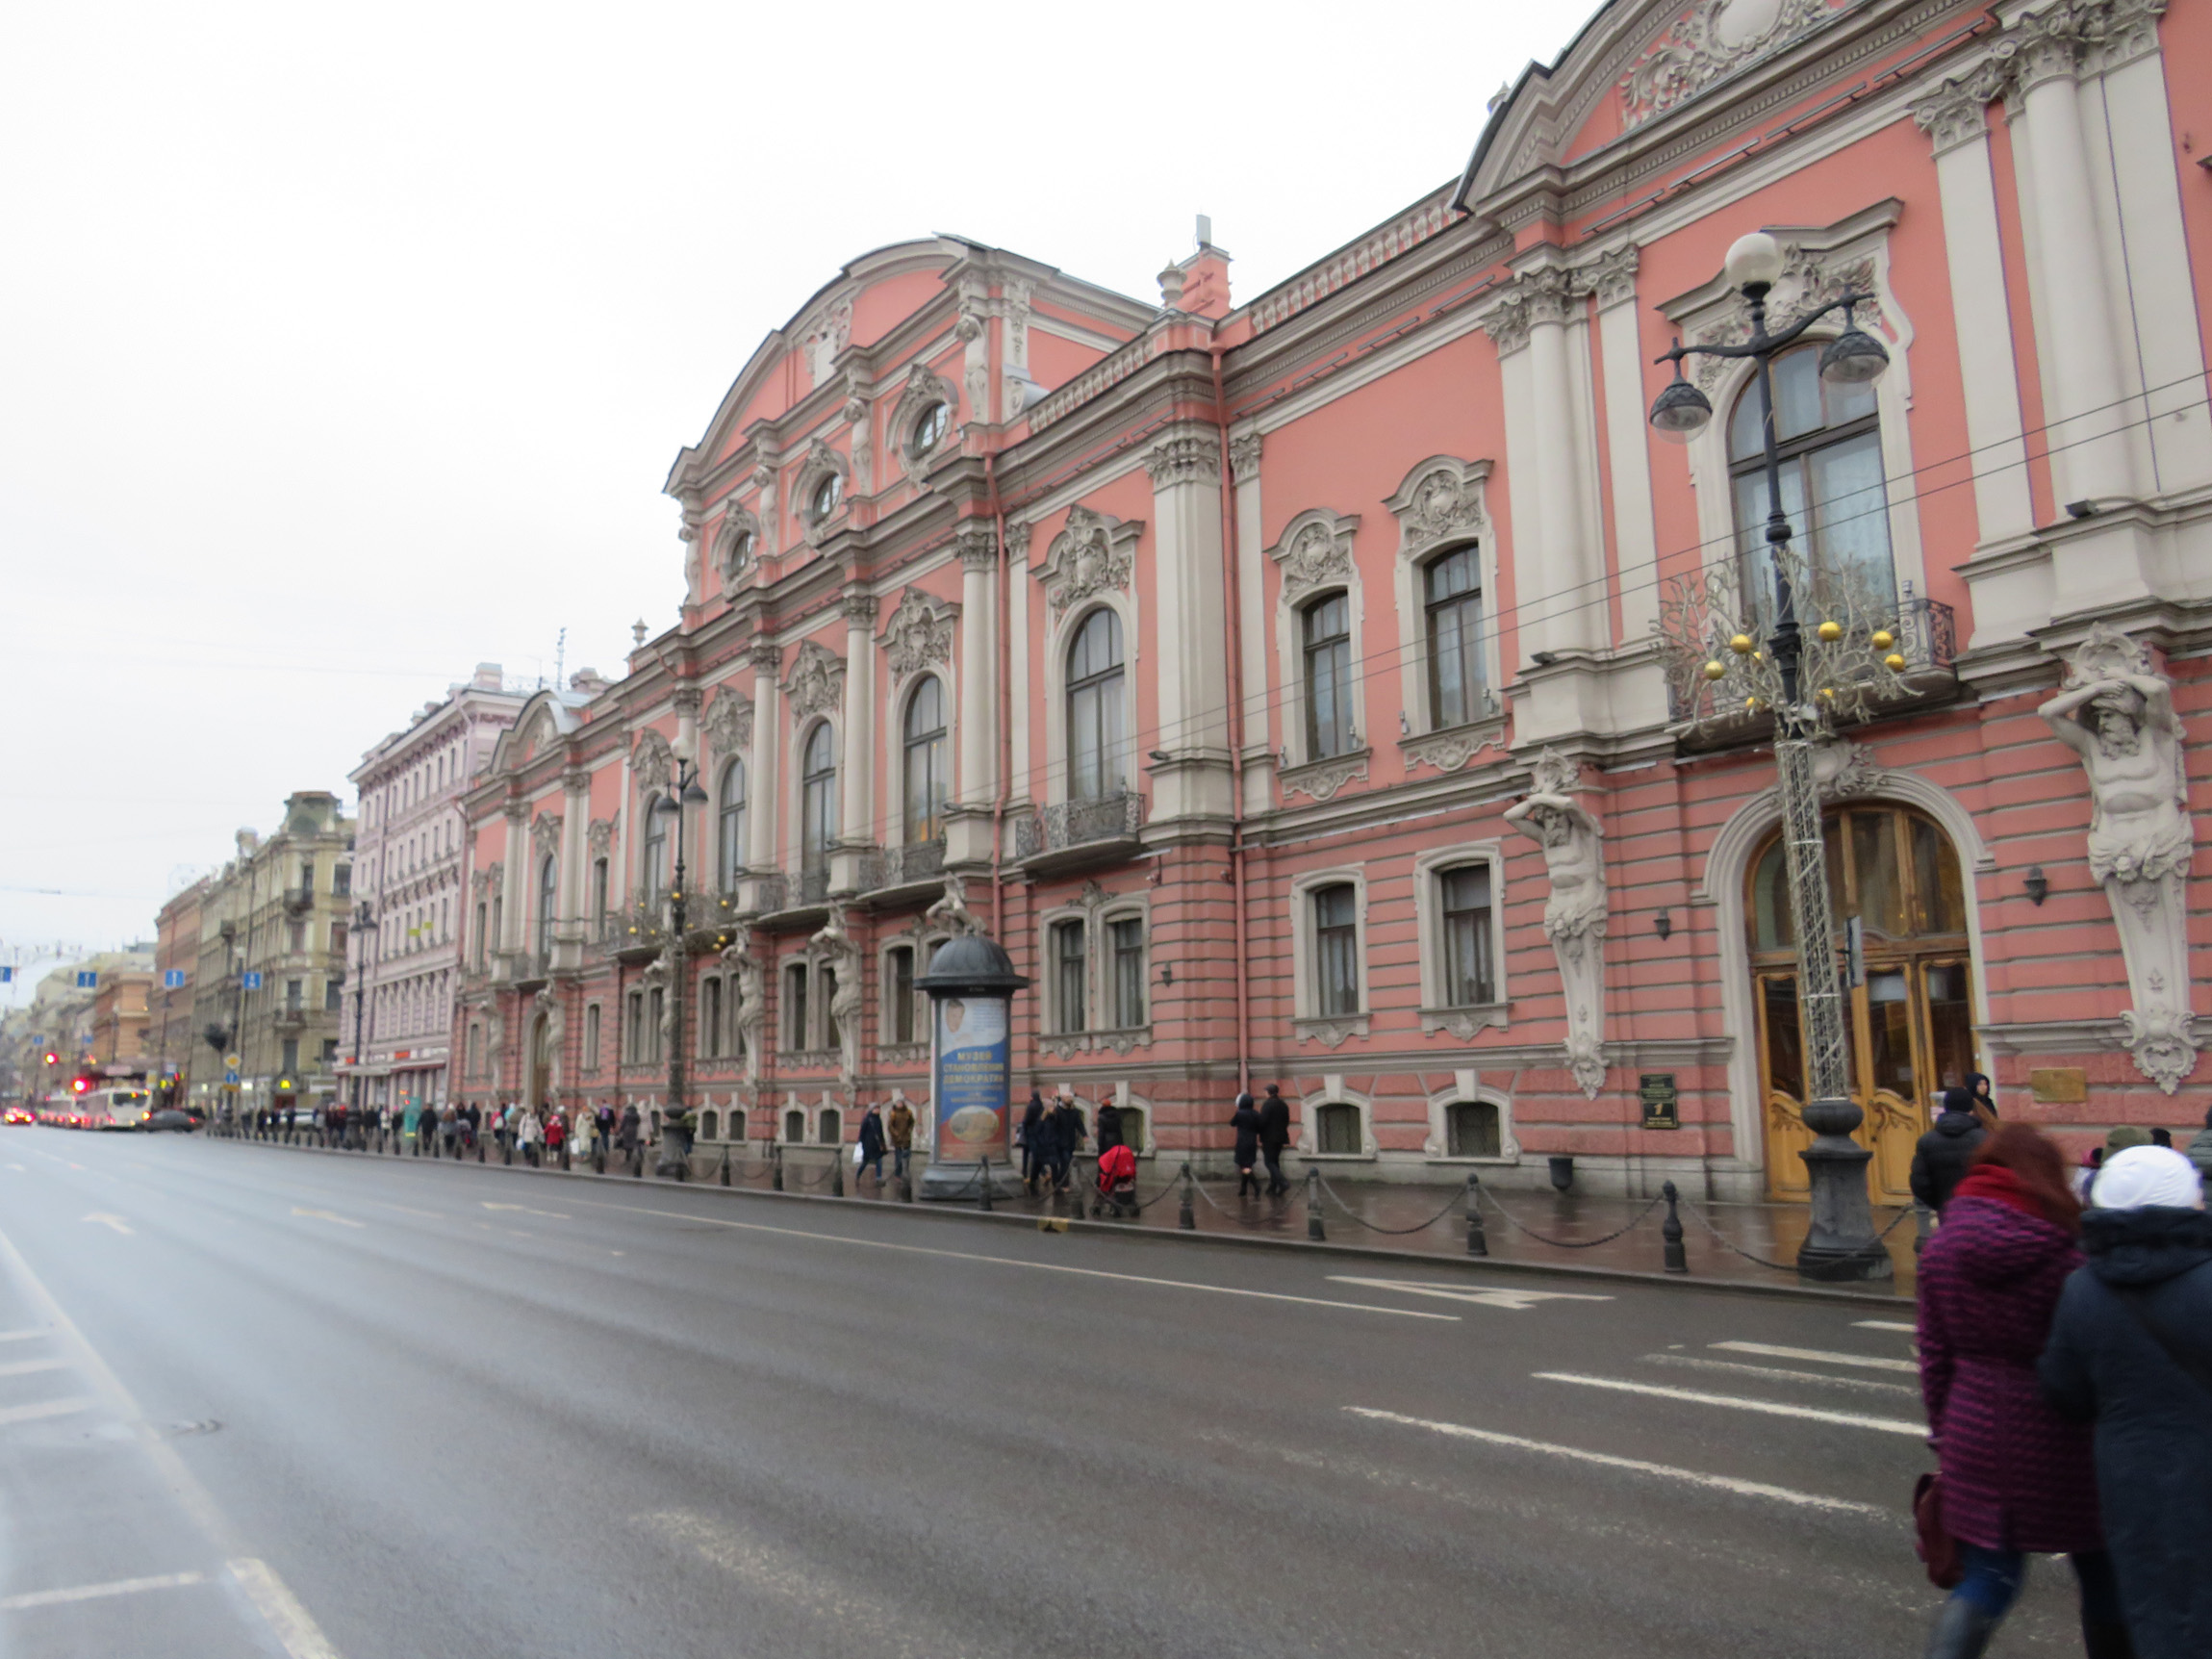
[
  {"x": 171, "y": 1038},
  {"x": 395, "y": 1030}
]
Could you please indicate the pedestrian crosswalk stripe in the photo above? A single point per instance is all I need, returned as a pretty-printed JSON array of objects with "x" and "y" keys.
[
  {"x": 1865, "y": 1385},
  {"x": 1884, "y": 1325},
  {"x": 43, "y": 1408},
  {"x": 1637, "y": 1466},
  {"x": 24, "y": 1367},
  {"x": 23, "y": 1336},
  {"x": 1824, "y": 1356},
  {"x": 96, "y": 1592},
  {"x": 1773, "y": 1408}
]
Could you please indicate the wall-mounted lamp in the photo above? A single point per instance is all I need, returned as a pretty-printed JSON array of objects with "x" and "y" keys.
[
  {"x": 1662, "y": 924},
  {"x": 2081, "y": 509},
  {"x": 1161, "y": 756},
  {"x": 1543, "y": 658},
  {"x": 2038, "y": 884},
  {"x": 1167, "y": 973}
]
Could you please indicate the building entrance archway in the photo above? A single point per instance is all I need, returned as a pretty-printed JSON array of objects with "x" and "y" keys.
[
  {"x": 540, "y": 1082},
  {"x": 1908, "y": 1027}
]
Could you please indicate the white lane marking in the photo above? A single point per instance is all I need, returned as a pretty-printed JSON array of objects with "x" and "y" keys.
[
  {"x": 115, "y": 1221},
  {"x": 1864, "y": 1385},
  {"x": 24, "y": 1367},
  {"x": 273, "y": 1599},
  {"x": 1008, "y": 1261},
  {"x": 1637, "y": 1465},
  {"x": 1825, "y": 1356},
  {"x": 1485, "y": 1295},
  {"x": 1884, "y": 1325},
  {"x": 95, "y": 1591},
  {"x": 175, "y": 1476},
  {"x": 553, "y": 1214},
  {"x": 43, "y": 1409},
  {"x": 427, "y": 1215},
  {"x": 23, "y": 1336},
  {"x": 326, "y": 1215},
  {"x": 1849, "y": 1419},
  {"x": 18, "y": 1170}
]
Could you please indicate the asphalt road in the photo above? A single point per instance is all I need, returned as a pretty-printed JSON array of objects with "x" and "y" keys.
[{"x": 256, "y": 1401}]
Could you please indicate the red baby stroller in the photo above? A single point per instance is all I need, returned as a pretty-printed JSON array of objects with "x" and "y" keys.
[{"x": 1117, "y": 1183}]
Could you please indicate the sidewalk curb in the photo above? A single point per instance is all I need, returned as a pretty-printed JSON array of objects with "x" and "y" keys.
[{"x": 1166, "y": 1235}]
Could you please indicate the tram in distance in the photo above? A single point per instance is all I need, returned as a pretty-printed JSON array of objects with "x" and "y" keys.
[{"x": 116, "y": 1108}]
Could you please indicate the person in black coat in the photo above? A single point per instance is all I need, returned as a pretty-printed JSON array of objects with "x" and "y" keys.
[
  {"x": 2130, "y": 1349},
  {"x": 1032, "y": 1135},
  {"x": 1274, "y": 1136},
  {"x": 1068, "y": 1137},
  {"x": 1245, "y": 1120},
  {"x": 1939, "y": 1160},
  {"x": 1109, "y": 1125}
]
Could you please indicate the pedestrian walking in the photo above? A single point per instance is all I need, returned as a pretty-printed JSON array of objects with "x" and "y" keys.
[
  {"x": 556, "y": 1138},
  {"x": 1029, "y": 1136},
  {"x": 1245, "y": 1120},
  {"x": 901, "y": 1124},
  {"x": 1109, "y": 1126},
  {"x": 1069, "y": 1134},
  {"x": 627, "y": 1137},
  {"x": 2130, "y": 1353},
  {"x": 1939, "y": 1160},
  {"x": 2015, "y": 1476},
  {"x": 1274, "y": 1136},
  {"x": 1983, "y": 1101},
  {"x": 603, "y": 1122},
  {"x": 472, "y": 1126},
  {"x": 411, "y": 1127},
  {"x": 450, "y": 1128},
  {"x": 870, "y": 1152},
  {"x": 527, "y": 1133}
]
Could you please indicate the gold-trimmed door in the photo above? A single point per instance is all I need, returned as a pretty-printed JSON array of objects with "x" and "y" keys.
[{"x": 1909, "y": 1024}]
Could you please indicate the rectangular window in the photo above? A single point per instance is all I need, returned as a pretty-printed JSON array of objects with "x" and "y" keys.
[
  {"x": 710, "y": 1018},
  {"x": 291, "y": 1060},
  {"x": 333, "y": 995},
  {"x": 1127, "y": 936},
  {"x": 1336, "y": 1130},
  {"x": 341, "y": 881},
  {"x": 329, "y": 1052},
  {"x": 1469, "y": 978},
  {"x": 1336, "y": 951},
  {"x": 899, "y": 979},
  {"x": 1069, "y": 1002},
  {"x": 794, "y": 1005},
  {"x": 295, "y": 936},
  {"x": 656, "y": 1010},
  {"x": 481, "y": 933},
  {"x": 337, "y": 939},
  {"x": 295, "y": 996},
  {"x": 1454, "y": 594},
  {"x": 1330, "y": 693},
  {"x": 634, "y": 1036},
  {"x": 826, "y": 995},
  {"x": 307, "y": 875},
  {"x": 475, "y": 1050},
  {"x": 592, "y": 1036},
  {"x": 598, "y": 897}
]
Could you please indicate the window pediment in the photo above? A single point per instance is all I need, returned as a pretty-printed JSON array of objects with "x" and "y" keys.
[
  {"x": 728, "y": 723},
  {"x": 920, "y": 632},
  {"x": 1441, "y": 500},
  {"x": 1316, "y": 552},
  {"x": 652, "y": 762},
  {"x": 1094, "y": 553},
  {"x": 925, "y": 389},
  {"x": 817, "y": 682}
]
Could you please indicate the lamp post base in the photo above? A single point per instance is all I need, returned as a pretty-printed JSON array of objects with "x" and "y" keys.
[
  {"x": 675, "y": 1161},
  {"x": 1841, "y": 1246},
  {"x": 963, "y": 1183}
]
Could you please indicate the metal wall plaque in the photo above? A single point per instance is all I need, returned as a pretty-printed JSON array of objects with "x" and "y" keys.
[{"x": 1655, "y": 1090}]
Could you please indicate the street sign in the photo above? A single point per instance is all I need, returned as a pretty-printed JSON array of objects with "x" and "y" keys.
[
  {"x": 1656, "y": 1091},
  {"x": 174, "y": 979},
  {"x": 6, "y": 973},
  {"x": 88, "y": 979},
  {"x": 231, "y": 1078},
  {"x": 231, "y": 1060},
  {"x": 251, "y": 979}
]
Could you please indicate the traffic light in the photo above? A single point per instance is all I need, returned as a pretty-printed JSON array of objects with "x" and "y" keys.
[
  {"x": 53, "y": 1059},
  {"x": 79, "y": 1084}
]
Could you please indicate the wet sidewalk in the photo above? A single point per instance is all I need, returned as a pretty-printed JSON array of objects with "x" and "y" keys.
[{"x": 1729, "y": 1244}]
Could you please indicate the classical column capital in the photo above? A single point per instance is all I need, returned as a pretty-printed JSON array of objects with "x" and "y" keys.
[
  {"x": 1244, "y": 457},
  {"x": 767, "y": 659},
  {"x": 859, "y": 609},
  {"x": 687, "y": 701},
  {"x": 978, "y": 547},
  {"x": 1185, "y": 460},
  {"x": 1952, "y": 115},
  {"x": 1610, "y": 276},
  {"x": 575, "y": 779},
  {"x": 1544, "y": 295}
]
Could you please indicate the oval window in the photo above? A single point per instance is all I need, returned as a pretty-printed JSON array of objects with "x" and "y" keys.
[
  {"x": 826, "y": 495},
  {"x": 930, "y": 429}
]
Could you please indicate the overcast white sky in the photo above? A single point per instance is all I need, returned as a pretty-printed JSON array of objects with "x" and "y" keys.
[{"x": 342, "y": 349}]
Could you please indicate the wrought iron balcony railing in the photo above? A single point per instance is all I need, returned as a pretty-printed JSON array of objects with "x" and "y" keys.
[
  {"x": 1069, "y": 825},
  {"x": 899, "y": 866},
  {"x": 1889, "y": 660}
]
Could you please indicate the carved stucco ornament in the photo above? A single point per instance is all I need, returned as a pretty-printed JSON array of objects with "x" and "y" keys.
[
  {"x": 1712, "y": 39},
  {"x": 652, "y": 762},
  {"x": 1316, "y": 552},
  {"x": 728, "y": 724},
  {"x": 919, "y": 634},
  {"x": 1095, "y": 554},
  {"x": 817, "y": 682},
  {"x": 1574, "y": 915},
  {"x": 2115, "y": 712}
]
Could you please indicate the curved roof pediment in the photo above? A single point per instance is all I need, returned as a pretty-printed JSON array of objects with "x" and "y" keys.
[
  {"x": 542, "y": 723},
  {"x": 1633, "y": 63}
]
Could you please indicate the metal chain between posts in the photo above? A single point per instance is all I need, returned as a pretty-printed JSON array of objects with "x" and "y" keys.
[
  {"x": 1728, "y": 1243},
  {"x": 1569, "y": 1243},
  {"x": 1394, "y": 1232},
  {"x": 1199, "y": 1187}
]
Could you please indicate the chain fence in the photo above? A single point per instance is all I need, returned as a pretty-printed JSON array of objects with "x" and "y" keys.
[{"x": 1520, "y": 1226}]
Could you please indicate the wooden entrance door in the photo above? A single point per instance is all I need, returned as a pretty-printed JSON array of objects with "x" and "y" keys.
[{"x": 1909, "y": 1024}]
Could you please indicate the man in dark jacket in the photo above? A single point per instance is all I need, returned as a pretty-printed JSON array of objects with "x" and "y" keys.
[
  {"x": 1939, "y": 1160},
  {"x": 1245, "y": 1121},
  {"x": 1109, "y": 1126},
  {"x": 1033, "y": 1135},
  {"x": 1274, "y": 1136},
  {"x": 1068, "y": 1137},
  {"x": 2131, "y": 1349}
]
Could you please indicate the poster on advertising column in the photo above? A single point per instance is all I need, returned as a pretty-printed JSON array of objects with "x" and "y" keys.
[{"x": 974, "y": 1066}]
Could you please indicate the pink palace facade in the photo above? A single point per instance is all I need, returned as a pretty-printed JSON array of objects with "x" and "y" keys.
[{"x": 1209, "y": 645}]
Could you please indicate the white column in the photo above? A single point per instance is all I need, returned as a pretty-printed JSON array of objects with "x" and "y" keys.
[
  {"x": 1954, "y": 119},
  {"x": 1018, "y": 535},
  {"x": 1573, "y": 608},
  {"x": 1191, "y": 583},
  {"x": 2077, "y": 340},
  {"x": 575, "y": 820},
  {"x": 968, "y": 830},
  {"x": 764, "y": 804},
  {"x": 513, "y": 877},
  {"x": 861, "y": 750},
  {"x": 1628, "y": 441},
  {"x": 1252, "y": 622}
]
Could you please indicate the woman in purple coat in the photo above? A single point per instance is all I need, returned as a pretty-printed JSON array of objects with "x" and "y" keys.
[{"x": 2018, "y": 1479}]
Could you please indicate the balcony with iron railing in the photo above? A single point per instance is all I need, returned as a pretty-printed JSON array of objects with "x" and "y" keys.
[
  {"x": 1069, "y": 834},
  {"x": 886, "y": 871}
]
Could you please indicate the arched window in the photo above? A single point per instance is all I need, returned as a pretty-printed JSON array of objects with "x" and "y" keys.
[
  {"x": 1326, "y": 626},
  {"x": 1471, "y": 1129},
  {"x": 794, "y": 1125},
  {"x": 1452, "y": 591},
  {"x": 828, "y": 494},
  {"x": 655, "y": 878},
  {"x": 818, "y": 801},
  {"x": 548, "y": 877},
  {"x": 928, "y": 430},
  {"x": 1096, "y": 735},
  {"x": 926, "y": 780},
  {"x": 1336, "y": 1130},
  {"x": 729, "y": 824},
  {"x": 1829, "y": 440}
]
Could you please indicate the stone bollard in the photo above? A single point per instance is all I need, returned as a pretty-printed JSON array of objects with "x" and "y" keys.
[
  {"x": 985, "y": 1204},
  {"x": 776, "y": 1169},
  {"x": 1478, "y": 1242},
  {"x": 837, "y": 1176},
  {"x": 906, "y": 1185},
  {"x": 725, "y": 1175},
  {"x": 1670, "y": 1229},
  {"x": 480, "y": 1149},
  {"x": 1186, "y": 1214},
  {"x": 638, "y": 1162},
  {"x": 1315, "y": 1234}
]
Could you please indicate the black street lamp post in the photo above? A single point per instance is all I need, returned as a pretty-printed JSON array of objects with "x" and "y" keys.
[
  {"x": 364, "y": 920},
  {"x": 675, "y": 1122},
  {"x": 1841, "y": 1242}
]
